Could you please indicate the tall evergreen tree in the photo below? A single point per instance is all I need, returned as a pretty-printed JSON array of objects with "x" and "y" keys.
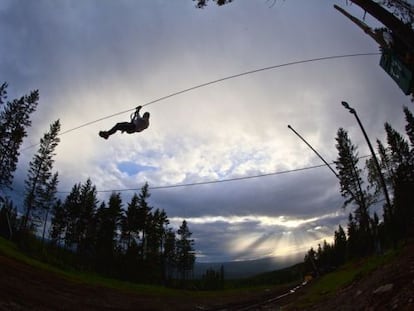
[
  {"x": 144, "y": 214},
  {"x": 351, "y": 188},
  {"x": 40, "y": 172},
  {"x": 85, "y": 221},
  {"x": 48, "y": 200},
  {"x": 386, "y": 167},
  {"x": 185, "y": 251},
  {"x": 398, "y": 146},
  {"x": 349, "y": 174},
  {"x": 14, "y": 121},
  {"x": 3, "y": 93},
  {"x": 400, "y": 218},
  {"x": 8, "y": 218},
  {"x": 70, "y": 216},
  {"x": 59, "y": 223},
  {"x": 169, "y": 255},
  {"x": 352, "y": 243},
  {"x": 114, "y": 217},
  {"x": 340, "y": 246},
  {"x": 409, "y": 127},
  {"x": 310, "y": 262},
  {"x": 130, "y": 228},
  {"x": 108, "y": 223}
]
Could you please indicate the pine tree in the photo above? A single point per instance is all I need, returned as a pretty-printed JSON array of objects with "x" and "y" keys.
[
  {"x": 144, "y": 212},
  {"x": 409, "y": 127},
  {"x": 85, "y": 221},
  {"x": 59, "y": 223},
  {"x": 340, "y": 246},
  {"x": 386, "y": 167},
  {"x": 310, "y": 262},
  {"x": 353, "y": 243},
  {"x": 348, "y": 171},
  {"x": 8, "y": 218},
  {"x": 108, "y": 222},
  {"x": 169, "y": 255},
  {"x": 185, "y": 251},
  {"x": 400, "y": 216},
  {"x": 14, "y": 120},
  {"x": 40, "y": 172},
  {"x": 398, "y": 146},
  {"x": 48, "y": 199},
  {"x": 130, "y": 223},
  {"x": 71, "y": 213},
  {"x": 114, "y": 217},
  {"x": 3, "y": 93},
  {"x": 351, "y": 188},
  {"x": 156, "y": 234}
]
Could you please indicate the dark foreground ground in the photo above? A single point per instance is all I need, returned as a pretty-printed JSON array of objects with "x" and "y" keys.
[
  {"x": 23, "y": 287},
  {"x": 390, "y": 287}
]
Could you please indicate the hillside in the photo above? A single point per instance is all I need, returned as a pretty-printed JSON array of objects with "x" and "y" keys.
[
  {"x": 27, "y": 287},
  {"x": 388, "y": 287}
]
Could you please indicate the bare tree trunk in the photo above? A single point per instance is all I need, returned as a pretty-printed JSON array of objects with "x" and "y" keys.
[{"x": 400, "y": 30}]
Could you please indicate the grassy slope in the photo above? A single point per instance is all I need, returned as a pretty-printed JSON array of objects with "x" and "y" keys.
[
  {"x": 315, "y": 292},
  {"x": 329, "y": 284},
  {"x": 10, "y": 250}
]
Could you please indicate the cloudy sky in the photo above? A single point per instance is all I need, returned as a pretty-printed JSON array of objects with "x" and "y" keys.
[{"x": 93, "y": 59}]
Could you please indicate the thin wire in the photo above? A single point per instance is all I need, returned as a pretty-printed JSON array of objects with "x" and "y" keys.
[
  {"x": 219, "y": 180},
  {"x": 213, "y": 82}
]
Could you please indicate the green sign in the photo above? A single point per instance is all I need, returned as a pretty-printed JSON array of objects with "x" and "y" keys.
[{"x": 398, "y": 71}]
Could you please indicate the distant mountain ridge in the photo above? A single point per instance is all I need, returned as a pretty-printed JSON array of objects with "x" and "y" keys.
[{"x": 244, "y": 269}]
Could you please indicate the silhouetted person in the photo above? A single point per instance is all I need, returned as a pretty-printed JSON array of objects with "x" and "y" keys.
[{"x": 137, "y": 124}]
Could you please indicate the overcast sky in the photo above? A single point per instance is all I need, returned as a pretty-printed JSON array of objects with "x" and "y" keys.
[{"x": 95, "y": 58}]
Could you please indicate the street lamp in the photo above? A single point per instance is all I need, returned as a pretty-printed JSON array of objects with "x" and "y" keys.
[{"x": 382, "y": 180}]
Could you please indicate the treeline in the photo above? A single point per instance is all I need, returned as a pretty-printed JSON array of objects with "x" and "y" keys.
[
  {"x": 366, "y": 232},
  {"x": 132, "y": 242}
]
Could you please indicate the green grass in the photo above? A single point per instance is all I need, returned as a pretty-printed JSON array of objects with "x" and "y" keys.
[
  {"x": 10, "y": 250},
  {"x": 329, "y": 284}
]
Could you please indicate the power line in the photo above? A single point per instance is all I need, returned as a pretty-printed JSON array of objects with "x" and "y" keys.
[
  {"x": 211, "y": 181},
  {"x": 219, "y": 180},
  {"x": 214, "y": 82}
]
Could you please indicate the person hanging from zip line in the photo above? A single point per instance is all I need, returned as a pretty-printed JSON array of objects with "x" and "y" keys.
[{"x": 137, "y": 124}]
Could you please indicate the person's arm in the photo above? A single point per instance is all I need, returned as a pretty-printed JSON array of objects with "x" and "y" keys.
[{"x": 136, "y": 114}]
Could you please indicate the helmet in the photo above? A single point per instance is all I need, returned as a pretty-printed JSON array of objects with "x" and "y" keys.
[{"x": 146, "y": 115}]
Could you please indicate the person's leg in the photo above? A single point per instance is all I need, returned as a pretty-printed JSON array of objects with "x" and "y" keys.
[{"x": 122, "y": 126}]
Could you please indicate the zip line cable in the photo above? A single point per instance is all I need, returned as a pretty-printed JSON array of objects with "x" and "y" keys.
[
  {"x": 219, "y": 180},
  {"x": 210, "y": 83}
]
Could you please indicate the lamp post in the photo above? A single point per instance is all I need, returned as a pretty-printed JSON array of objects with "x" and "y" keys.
[
  {"x": 381, "y": 176},
  {"x": 316, "y": 152}
]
